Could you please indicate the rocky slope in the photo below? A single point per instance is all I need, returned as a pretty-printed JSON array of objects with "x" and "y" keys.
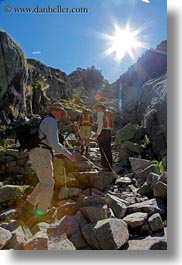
[
  {"x": 129, "y": 209},
  {"x": 128, "y": 205},
  {"x": 46, "y": 83}
]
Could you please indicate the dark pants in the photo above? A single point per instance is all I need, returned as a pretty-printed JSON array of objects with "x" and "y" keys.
[{"x": 104, "y": 140}]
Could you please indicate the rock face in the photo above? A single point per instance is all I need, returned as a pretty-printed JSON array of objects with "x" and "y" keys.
[
  {"x": 155, "y": 113},
  {"x": 29, "y": 86},
  {"x": 13, "y": 78},
  {"x": 144, "y": 96},
  {"x": 46, "y": 84}
]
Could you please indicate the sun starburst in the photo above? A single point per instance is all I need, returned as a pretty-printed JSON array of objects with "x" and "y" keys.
[{"x": 123, "y": 41}]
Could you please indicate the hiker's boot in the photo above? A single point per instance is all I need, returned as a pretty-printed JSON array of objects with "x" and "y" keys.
[
  {"x": 87, "y": 151},
  {"x": 39, "y": 217},
  {"x": 82, "y": 150}
]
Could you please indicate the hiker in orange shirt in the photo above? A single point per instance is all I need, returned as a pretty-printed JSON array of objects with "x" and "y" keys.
[{"x": 85, "y": 123}]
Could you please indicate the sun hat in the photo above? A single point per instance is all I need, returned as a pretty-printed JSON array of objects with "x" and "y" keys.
[
  {"x": 57, "y": 106},
  {"x": 100, "y": 105}
]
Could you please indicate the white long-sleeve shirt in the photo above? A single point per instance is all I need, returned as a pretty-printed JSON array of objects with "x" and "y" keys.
[
  {"x": 100, "y": 117},
  {"x": 48, "y": 128},
  {"x": 100, "y": 121}
]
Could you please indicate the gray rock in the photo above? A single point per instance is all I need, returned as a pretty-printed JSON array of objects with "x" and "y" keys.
[
  {"x": 116, "y": 204},
  {"x": 141, "y": 176},
  {"x": 11, "y": 192},
  {"x": 98, "y": 180},
  {"x": 138, "y": 164},
  {"x": 68, "y": 207},
  {"x": 126, "y": 133},
  {"x": 160, "y": 190},
  {"x": 80, "y": 219},
  {"x": 19, "y": 236},
  {"x": 67, "y": 225},
  {"x": 8, "y": 214},
  {"x": 145, "y": 190},
  {"x": 129, "y": 148},
  {"x": 152, "y": 179},
  {"x": 156, "y": 241},
  {"x": 123, "y": 180},
  {"x": 60, "y": 242},
  {"x": 38, "y": 242},
  {"x": 68, "y": 192},
  {"x": 95, "y": 213},
  {"x": 135, "y": 219},
  {"x": 149, "y": 206},
  {"x": 89, "y": 236},
  {"x": 155, "y": 118},
  {"x": 61, "y": 179},
  {"x": 78, "y": 240},
  {"x": 115, "y": 233},
  {"x": 147, "y": 244},
  {"x": 5, "y": 237},
  {"x": 81, "y": 165},
  {"x": 163, "y": 177},
  {"x": 155, "y": 222},
  {"x": 13, "y": 75}
]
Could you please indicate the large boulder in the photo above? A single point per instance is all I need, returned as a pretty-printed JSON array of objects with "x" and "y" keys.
[
  {"x": 138, "y": 164},
  {"x": 128, "y": 132},
  {"x": 155, "y": 118},
  {"x": 47, "y": 83},
  {"x": 115, "y": 233},
  {"x": 98, "y": 180},
  {"x": 95, "y": 213},
  {"x": 13, "y": 78}
]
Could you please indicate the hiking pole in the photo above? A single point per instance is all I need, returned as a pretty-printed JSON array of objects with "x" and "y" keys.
[
  {"x": 114, "y": 173},
  {"x": 94, "y": 166}
]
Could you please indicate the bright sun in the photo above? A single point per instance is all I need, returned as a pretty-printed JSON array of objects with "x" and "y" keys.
[{"x": 122, "y": 42}]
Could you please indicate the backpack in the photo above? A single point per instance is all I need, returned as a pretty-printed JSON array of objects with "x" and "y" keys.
[
  {"x": 26, "y": 131},
  {"x": 85, "y": 118},
  {"x": 108, "y": 120}
]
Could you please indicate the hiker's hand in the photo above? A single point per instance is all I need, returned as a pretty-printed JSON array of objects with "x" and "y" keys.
[
  {"x": 72, "y": 158},
  {"x": 96, "y": 135},
  {"x": 58, "y": 155}
]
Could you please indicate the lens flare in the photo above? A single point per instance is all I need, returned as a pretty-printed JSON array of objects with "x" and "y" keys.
[
  {"x": 123, "y": 41},
  {"x": 98, "y": 96},
  {"x": 39, "y": 212}
]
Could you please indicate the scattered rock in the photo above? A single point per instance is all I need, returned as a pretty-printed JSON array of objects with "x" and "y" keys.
[
  {"x": 160, "y": 190},
  {"x": 135, "y": 219},
  {"x": 115, "y": 233},
  {"x": 155, "y": 222},
  {"x": 117, "y": 205},
  {"x": 5, "y": 237}
]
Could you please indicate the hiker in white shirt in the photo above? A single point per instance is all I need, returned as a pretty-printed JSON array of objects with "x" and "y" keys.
[
  {"x": 103, "y": 136},
  {"x": 39, "y": 200}
]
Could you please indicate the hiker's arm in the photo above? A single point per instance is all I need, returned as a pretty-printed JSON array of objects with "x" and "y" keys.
[
  {"x": 53, "y": 139},
  {"x": 100, "y": 116}
]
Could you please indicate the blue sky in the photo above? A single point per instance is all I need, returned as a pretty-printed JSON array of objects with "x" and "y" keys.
[{"x": 70, "y": 40}]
